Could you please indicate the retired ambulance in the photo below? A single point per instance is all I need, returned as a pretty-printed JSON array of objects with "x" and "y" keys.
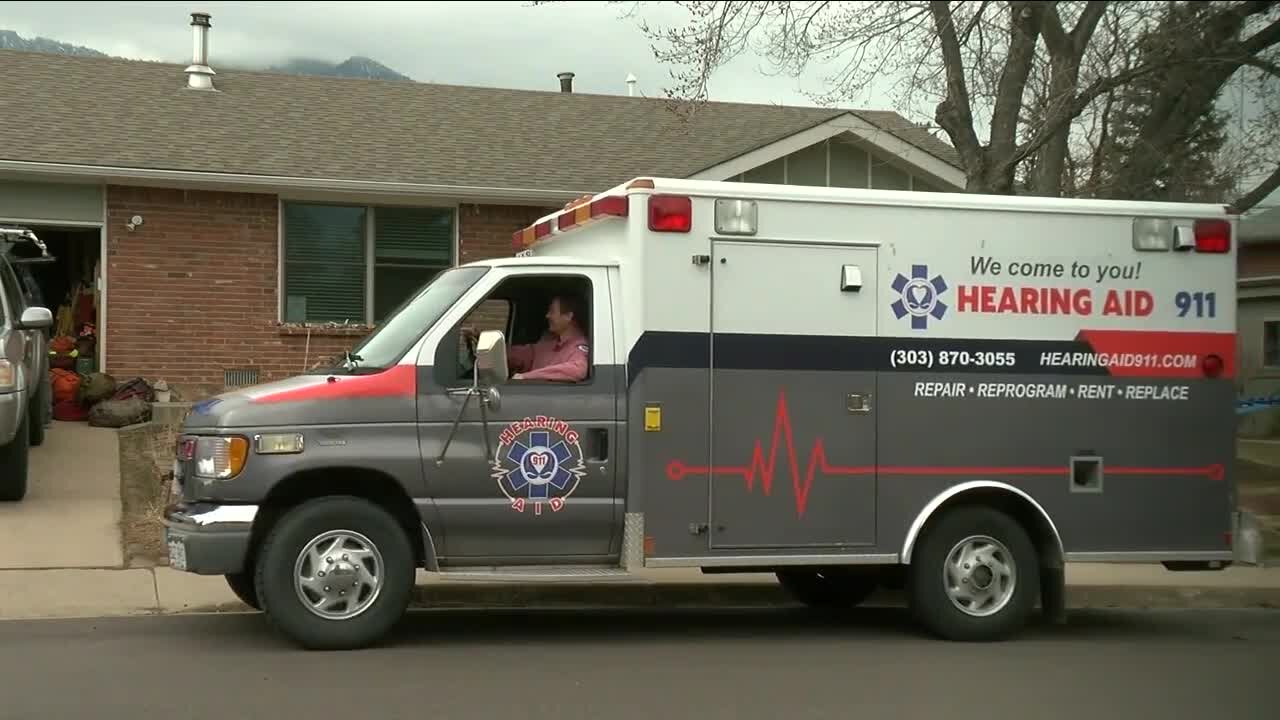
[{"x": 953, "y": 394}]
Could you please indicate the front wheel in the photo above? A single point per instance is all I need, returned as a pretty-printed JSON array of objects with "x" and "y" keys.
[
  {"x": 974, "y": 576},
  {"x": 14, "y": 459},
  {"x": 335, "y": 573},
  {"x": 38, "y": 411},
  {"x": 245, "y": 591}
]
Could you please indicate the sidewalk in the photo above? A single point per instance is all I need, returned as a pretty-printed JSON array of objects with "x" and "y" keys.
[
  {"x": 71, "y": 515},
  {"x": 27, "y": 594}
]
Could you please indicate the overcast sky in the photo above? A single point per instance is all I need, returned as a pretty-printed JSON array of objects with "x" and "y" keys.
[
  {"x": 508, "y": 44},
  {"x": 504, "y": 44}
]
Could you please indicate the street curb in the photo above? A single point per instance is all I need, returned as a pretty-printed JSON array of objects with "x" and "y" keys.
[{"x": 765, "y": 595}]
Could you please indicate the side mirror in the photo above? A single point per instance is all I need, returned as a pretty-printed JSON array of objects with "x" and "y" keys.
[
  {"x": 35, "y": 318},
  {"x": 491, "y": 358}
]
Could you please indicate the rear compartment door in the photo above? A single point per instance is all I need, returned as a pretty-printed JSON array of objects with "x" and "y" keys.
[{"x": 793, "y": 436}]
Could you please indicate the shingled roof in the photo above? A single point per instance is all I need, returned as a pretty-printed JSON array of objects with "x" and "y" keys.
[{"x": 129, "y": 114}]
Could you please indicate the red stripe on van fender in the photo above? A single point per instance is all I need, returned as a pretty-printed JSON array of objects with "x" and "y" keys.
[
  {"x": 395, "y": 381},
  {"x": 1161, "y": 353}
]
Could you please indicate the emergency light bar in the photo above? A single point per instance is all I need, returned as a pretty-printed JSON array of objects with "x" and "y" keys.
[
  {"x": 666, "y": 213},
  {"x": 1161, "y": 235}
]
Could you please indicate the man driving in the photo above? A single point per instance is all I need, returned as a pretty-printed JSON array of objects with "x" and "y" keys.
[{"x": 562, "y": 352}]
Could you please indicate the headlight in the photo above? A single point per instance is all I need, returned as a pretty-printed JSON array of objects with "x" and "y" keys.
[
  {"x": 8, "y": 375},
  {"x": 220, "y": 458},
  {"x": 279, "y": 443}
]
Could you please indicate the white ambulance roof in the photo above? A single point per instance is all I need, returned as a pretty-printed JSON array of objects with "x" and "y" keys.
[
  {"x": 916, "y": 198},
  {"x": 542, "y": 260}
]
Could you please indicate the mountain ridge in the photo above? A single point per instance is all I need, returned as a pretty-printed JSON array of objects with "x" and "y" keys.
[{"x": 356, "y": 66}]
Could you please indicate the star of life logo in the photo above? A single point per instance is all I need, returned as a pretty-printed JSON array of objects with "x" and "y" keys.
[
  {"x": 918, "y": 297},
  {"x": 538, "y": 462}
]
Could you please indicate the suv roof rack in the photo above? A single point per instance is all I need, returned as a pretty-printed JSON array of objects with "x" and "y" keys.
[{"x": 11, "y": 235}]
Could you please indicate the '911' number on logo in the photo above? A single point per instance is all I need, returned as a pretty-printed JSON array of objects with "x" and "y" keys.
[{"x": 1199, "y": 304}]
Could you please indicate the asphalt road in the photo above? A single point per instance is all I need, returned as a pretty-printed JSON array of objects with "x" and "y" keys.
[{"x": 668, "y": 665}]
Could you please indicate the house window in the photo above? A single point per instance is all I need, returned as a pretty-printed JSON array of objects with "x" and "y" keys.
[
  {"x": 1271, "y": 343},
  {"x": 356, "y": 264}
]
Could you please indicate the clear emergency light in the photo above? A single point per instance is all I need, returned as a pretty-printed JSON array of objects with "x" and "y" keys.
[{"x": 735, "y": 217}]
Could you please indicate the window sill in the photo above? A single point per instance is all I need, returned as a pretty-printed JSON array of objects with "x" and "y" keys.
[{"x": 323, "y": 330}]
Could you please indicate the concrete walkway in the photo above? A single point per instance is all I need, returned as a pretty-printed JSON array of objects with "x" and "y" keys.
[{"x": 71, "y": 515}]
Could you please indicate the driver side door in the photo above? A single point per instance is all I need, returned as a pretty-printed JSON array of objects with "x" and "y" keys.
[{"x": 545, "y": 487}]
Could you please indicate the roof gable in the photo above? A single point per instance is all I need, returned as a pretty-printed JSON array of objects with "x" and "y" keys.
[{"x": 130, "y": 114}]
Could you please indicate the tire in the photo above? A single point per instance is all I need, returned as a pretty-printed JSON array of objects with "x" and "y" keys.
[
  {"x": 930, "y": 602},
  {"x": 242, "y": 585},
  {"x": 828, "y": 588},
  {"x": 281, "y": 558},
  {"x": 13, "y": 460},
  {"x": 36, "y": 410}
]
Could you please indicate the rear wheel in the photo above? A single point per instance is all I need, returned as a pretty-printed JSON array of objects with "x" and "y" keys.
[
  {"x": 335, "y": 573},
  {"x": 830, "y": 588},
  {"x": 13, "y": 459},
  {"x": 974, "y": 576}
]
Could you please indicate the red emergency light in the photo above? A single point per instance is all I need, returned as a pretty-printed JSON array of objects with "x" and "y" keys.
[
  {"x": 1213, "y": 236},
  {"x": 1212, "y": 366},
  {"x": 670, "y": 213}
]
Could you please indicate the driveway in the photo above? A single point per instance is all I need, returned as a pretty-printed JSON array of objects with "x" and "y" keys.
[{"x": 71, "y": 515}]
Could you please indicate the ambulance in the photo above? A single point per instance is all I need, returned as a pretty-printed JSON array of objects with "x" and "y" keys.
[{"x": 949, "y": 394}]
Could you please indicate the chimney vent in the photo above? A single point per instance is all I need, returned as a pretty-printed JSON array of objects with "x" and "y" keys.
[
  {"x": 631, "y": 84},
  {"x": 566, "y": 82},
  {"x": 199, "y": 74}
]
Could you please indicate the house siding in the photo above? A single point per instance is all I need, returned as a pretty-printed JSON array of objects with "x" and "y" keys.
[{"x": 193, "y": 291}]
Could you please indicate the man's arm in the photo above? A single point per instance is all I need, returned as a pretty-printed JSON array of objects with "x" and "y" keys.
[
  {"x": 519, "y": 356},
  {"x": 572, "y": 370}
]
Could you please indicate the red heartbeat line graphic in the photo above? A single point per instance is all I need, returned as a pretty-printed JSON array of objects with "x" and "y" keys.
[{"x": 801, "y": 485}]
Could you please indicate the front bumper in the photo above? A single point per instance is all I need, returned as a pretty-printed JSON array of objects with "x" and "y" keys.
[
  {"x": 11, "y": 409},
  {"x": 208, "y": 538}
]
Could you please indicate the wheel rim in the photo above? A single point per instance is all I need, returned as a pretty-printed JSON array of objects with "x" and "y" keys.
[
  {"x": 338, "y": 575},
  {"x": 979, "y": 575}
]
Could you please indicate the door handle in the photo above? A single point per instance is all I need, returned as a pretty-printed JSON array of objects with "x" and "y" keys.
[{"x": 599, "y": 443}]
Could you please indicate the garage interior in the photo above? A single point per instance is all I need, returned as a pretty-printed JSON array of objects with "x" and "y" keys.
[{"x": 68, "y": 286}]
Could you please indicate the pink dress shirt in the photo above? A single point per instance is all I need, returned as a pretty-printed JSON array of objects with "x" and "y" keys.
[{"x": 551, "y": 358}]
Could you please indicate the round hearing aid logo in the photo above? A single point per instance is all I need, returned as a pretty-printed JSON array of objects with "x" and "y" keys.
[
  {"x": 538, "y": 462},
  {"x": 919, "y": 297}
]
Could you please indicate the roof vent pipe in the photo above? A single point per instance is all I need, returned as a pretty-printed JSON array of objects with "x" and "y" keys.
[
  {"x": 631, "y": 85},
  {"x": 199, "y": 74},
  {"x": 566, "y": 82}
]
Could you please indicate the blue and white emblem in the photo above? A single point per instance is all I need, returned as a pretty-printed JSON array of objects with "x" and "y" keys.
[
  {"x": 918, "y": 296},
  {"x": 538, "y": 461}
]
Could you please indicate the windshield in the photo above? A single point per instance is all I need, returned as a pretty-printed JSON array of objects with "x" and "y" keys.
[{"x": 402, "y": 328}]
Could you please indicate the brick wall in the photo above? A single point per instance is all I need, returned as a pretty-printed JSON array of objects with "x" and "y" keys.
[
  {"x": 192, "y": 291},
  {"x": 484, "y": 232}
]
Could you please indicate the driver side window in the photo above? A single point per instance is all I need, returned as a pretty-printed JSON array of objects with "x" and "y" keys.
[{"x": 525, "y": 308}]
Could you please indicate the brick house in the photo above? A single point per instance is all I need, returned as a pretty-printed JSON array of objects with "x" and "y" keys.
[
  {"x": 1258, "y": 309},
  {"x": 243, "y": 232}
]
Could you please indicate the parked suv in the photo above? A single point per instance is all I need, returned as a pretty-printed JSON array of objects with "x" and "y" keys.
[{"x": 24, "y": 372}]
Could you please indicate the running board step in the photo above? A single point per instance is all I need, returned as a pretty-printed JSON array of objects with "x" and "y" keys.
[{"x": 534, "y": 573}]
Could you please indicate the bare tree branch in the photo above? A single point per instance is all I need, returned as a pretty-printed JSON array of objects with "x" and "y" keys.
[{"x": 1256, "y": 195}]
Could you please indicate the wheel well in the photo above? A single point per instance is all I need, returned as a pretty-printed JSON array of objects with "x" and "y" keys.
[
  {"x": 370, "y": 485},
  {"x": 1021, "y": 509}
]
